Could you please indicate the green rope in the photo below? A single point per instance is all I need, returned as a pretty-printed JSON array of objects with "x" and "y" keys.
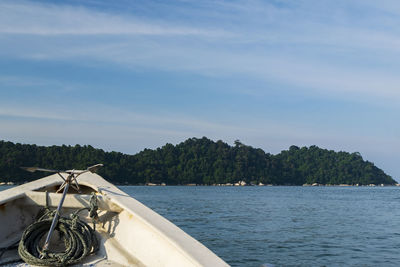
[{"x": 78, "y": 237}]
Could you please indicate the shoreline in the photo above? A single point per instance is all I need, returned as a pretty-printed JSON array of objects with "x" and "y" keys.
[
  {"x": 239, "y": 184},
  {"x": 266, "y": 185}
]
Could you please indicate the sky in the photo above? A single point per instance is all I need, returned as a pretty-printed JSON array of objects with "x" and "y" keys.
[{"x": 127, "y": 75}]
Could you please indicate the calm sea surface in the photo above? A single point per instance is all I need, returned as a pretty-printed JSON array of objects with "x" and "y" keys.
[{"x": 285, "y": 226}]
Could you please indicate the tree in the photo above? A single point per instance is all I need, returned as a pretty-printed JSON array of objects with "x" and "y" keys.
[{"x": 195, "y": 160}]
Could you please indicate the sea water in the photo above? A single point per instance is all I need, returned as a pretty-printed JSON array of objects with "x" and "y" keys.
[{"x": 285, "y": 226}]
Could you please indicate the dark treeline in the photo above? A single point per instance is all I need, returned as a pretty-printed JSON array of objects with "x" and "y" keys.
[{"x": 200, "y": 161}]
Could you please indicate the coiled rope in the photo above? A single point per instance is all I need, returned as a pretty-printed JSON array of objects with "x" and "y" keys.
[{"x": 78, "y": 237}]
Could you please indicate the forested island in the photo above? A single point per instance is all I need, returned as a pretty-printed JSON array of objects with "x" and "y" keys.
[{"x": 197, "y": 161}]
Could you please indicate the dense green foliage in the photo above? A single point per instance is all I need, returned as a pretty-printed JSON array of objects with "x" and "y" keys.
[{"x": 200, "y": 161}]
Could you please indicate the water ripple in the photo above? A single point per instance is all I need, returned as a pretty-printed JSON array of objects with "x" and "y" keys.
[{"x": 285, "y": 226}]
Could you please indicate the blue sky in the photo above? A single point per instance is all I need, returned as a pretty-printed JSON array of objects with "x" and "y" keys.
[{"x": 129, "y": 75}]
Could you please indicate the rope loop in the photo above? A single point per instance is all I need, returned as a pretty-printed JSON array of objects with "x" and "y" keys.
[
  {"x": 78, "y": 237},
  {"x": 74, "y": 221}
]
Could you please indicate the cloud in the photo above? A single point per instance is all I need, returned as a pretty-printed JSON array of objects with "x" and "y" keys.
[
  {"x": 273, "y": 43},
  {"x": 90, "y": 115},
  {"x": 160, "y": 123},
  {"x": 26, "y": 18},
  {"x": 86, "y": 113},
  {"x": 343, "y": 50}
]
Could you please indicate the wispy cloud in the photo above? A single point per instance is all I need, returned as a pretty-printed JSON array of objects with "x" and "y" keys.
[
  {"x": 342, "y": 50},
  {"x": 176, "y": 124},
  {"x": 47, "y": 20},
  {"x": 273, "y": 43}
]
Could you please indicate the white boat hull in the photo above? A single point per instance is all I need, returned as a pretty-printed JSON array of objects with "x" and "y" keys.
[{"x": 130, "y": 233}]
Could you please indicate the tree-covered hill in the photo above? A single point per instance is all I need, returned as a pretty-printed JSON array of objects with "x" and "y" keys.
[{"x": 200, "y": 161}]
